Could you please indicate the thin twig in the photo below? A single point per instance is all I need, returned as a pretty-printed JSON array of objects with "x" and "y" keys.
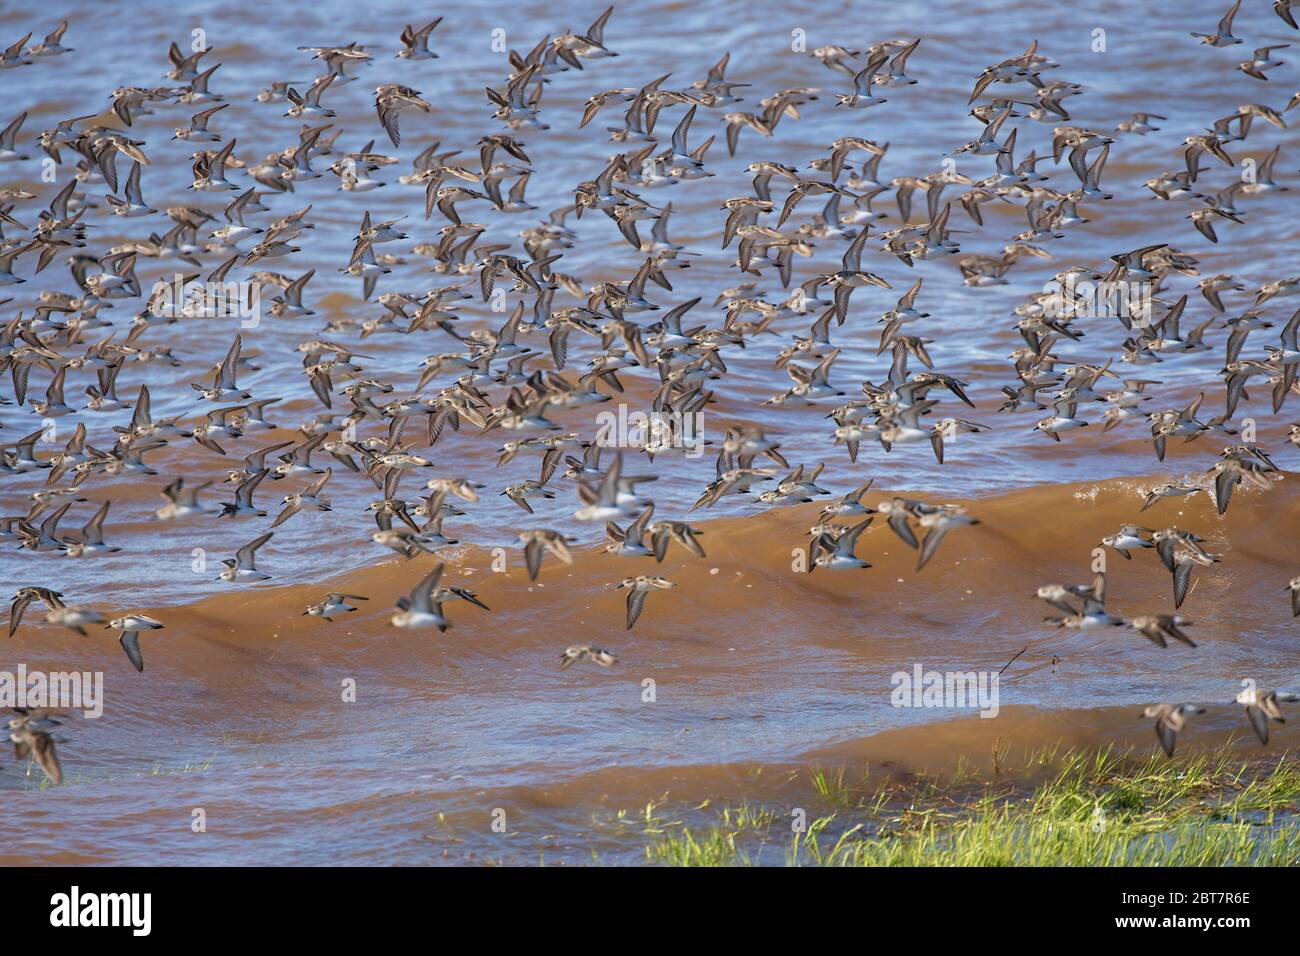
[{"x": 1013, "y": 660}]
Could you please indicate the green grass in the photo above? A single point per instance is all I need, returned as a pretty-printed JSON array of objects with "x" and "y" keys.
[
  {"x": 717, "y": 847},
  {"x": 158, "y": 770},
  {"x": 1077, "y": 808}
]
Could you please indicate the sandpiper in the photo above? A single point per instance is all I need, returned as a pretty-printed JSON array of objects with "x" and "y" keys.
[
  {"x": 131, "y": 625},
  {"x": 1170, "y": 720}
]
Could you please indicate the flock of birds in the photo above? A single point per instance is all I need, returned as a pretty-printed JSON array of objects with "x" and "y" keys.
[{"x": 489, "y": 380}]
